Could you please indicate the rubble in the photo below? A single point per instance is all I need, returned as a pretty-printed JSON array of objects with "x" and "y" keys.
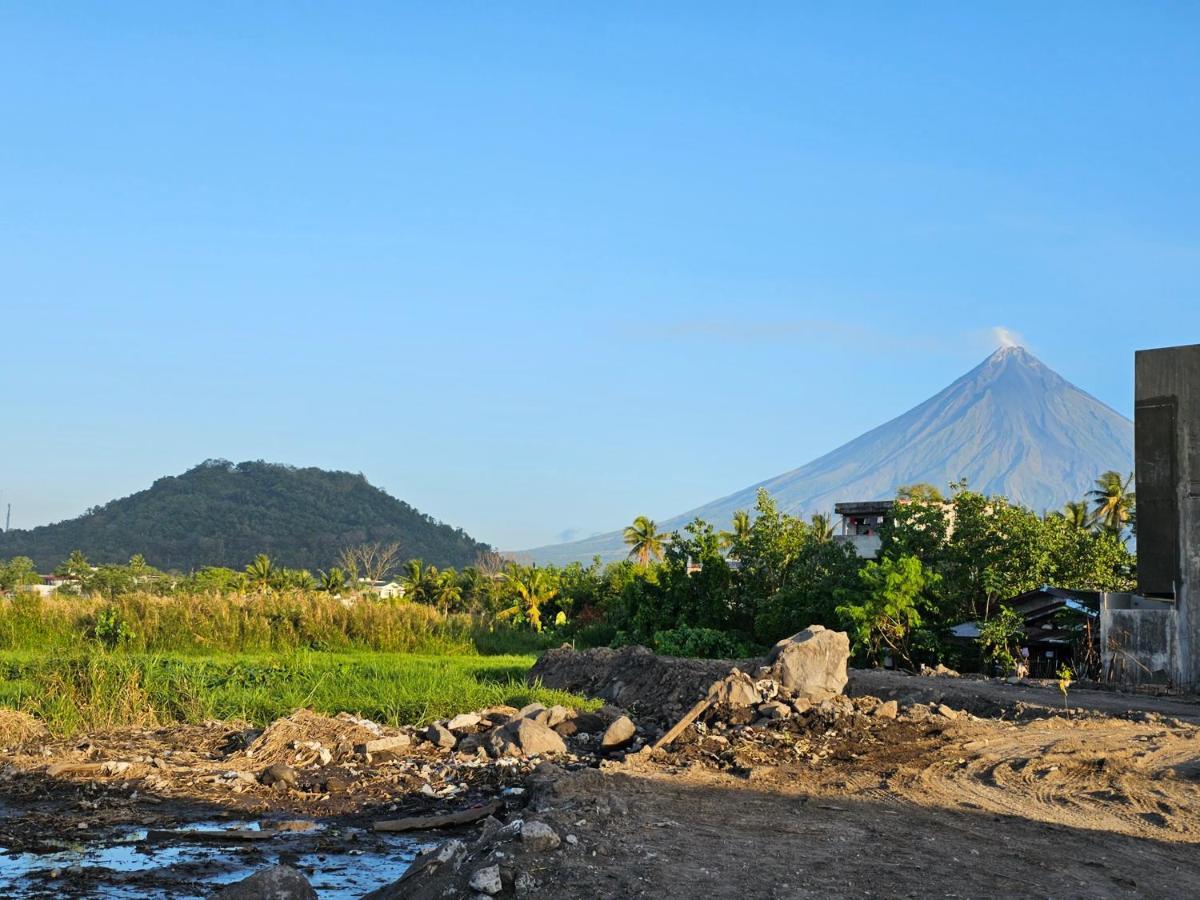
[{"x": 539, "y": 837}]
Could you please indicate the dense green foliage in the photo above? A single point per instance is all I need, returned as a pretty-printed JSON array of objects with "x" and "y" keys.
[
  {"x": 222, "y": 514},
  {"x": 713, "y": 593}
]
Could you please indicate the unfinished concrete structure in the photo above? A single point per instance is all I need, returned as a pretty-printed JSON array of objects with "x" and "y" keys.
[{"x": 1164, "y": 619}]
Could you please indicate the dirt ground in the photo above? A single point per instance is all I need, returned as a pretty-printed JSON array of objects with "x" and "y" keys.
[
  {"x": 1101, "y": 800},
  {"x": 1049, "y": 808}
]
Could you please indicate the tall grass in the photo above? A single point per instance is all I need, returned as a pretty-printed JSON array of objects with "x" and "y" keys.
[
  {"x": 204, "y": 624},
  {"x": 97, "y": 690}
]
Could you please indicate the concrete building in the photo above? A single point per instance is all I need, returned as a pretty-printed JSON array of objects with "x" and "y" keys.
[
  {"x": 861, "y": 522},
  {"x": 1162, "y": 622}
]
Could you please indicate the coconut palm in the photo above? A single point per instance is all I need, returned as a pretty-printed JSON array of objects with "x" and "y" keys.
[
  {"x": 1076, "y": 512},
  {"x": 445, "y": 588},
  {"x": 739, "y": 532},
  {"x": 333, "y": 581},
  {"x": 644, "y": 540},
  {"x": 1113, "y": 501},
  {"x": 821, "y": 526},
  {"x": 420, "y": 582},
  {"x": 532, "y": 588}
]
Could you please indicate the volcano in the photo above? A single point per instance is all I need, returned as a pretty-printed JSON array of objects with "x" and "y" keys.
[{"x": 1010, "y": 426}]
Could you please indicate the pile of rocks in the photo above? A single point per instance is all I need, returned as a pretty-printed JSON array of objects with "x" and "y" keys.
[
  {"x": 501, "y": 732},
  {"x": 496, "y": 862}
]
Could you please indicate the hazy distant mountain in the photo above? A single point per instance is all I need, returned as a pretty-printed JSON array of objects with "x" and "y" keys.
[
  {"x": 221, "y": 514},
  {"x": 1010, "y": 426}
]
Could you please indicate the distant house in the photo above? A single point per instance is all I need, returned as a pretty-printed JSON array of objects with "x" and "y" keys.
[
  {"x": 861, "y": 522},
  {"x": 385, "y": 589},
  {"x": 1061, "y": 627}
]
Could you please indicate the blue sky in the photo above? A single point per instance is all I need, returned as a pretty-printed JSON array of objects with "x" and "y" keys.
[{"x": 539, "y": 268}]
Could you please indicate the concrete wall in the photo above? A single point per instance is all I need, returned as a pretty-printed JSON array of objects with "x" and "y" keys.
[
  {"x": 1168, "y": 473},
  {"x": 865, "y": 545},
  {"x": 1138, "y": 646}
]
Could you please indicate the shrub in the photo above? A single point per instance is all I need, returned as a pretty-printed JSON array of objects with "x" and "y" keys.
[{"x": 706, "y": 643}]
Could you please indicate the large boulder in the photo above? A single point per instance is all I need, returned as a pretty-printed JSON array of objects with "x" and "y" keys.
[
  {"x": 811, "y": 663},
  {"x": 276, "y": 883}
]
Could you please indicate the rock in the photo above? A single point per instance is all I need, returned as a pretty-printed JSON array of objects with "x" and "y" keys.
[
  {"x": 939, "y": 670},
  {"x": 618, "y": 734},
  {"x": 812, "y": 663},
  {"x": 486, "y": 880},
  {"x": 947, "y": 712},
  {"x": 499, "y": 743},
  {"x": 276, "y": 883},
  {"x": 887, "y": 710},
  {"x": 394, "y": 745},
  {"x": 534, "y": 737},
  {"x": 801, "y": 705},
  {"x": 558, "y": 715},
  {"x": 464, "y": 722},
  {"x": 735, "y": 690},
  {"x": 440, "y": 736},
  {"x": 280, "y": 774},
  {"x": 773, "y": 709},
  {"x": 539, "y": 837},
  {"x": 470, "y": 743},
  {"x": 530, "y": 711}
]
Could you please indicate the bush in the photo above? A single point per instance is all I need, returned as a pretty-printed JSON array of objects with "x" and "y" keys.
[{"x": 704, "y": 643}]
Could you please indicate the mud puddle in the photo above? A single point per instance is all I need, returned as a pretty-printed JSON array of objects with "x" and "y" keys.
[{"x": 193, "y": 859}]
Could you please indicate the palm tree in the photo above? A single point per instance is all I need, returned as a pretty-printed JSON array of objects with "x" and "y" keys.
[
  {"x": 1113, "y": 500},
  {"x": 821, "y": 525},
  {"x": 644, "y": 540},
  {"x": 1076, "y": 512},
  {"x": 739, "y": 532},
  {"x": 532, "y": 588},
  {"x": 333, "y": 581},
  {"x": 446, "y": 589},
  {"x": 261, "y": 572},
  {"x": 418, "y": 581}
]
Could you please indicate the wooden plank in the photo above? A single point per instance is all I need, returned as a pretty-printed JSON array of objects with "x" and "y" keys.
[
  {"x": 689, "y": 717},
  {"x": 445, "y": 820}
]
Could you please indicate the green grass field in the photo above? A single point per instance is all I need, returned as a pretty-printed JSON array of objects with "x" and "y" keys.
[{"x": 98, "y": 689}]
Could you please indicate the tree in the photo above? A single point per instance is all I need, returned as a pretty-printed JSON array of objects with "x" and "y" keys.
[
  {"x": 1113, "y": 501},
  {"x": 333, "y": 581},
  {"x": 17, "y": 573},
  {"x": 372, "y": 561},
  {"x": 1076, "y": 513},
  {"x": 260, "y": 572},
  {"x": 821, "y": 527},
  {"x": 420, "y": 582},
  {"x": 922, "y": 491},
  {"x": 741, "y": 528},
  {"x": 531, "y": 588},
  {"x": 644, "y": 540},
  {"x": 999, "y": 637},
  {"x": 75, "y": 566},
  {"x": 888, "y": 608}
]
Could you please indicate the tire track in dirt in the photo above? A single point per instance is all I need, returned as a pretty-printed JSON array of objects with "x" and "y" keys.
[{"x": 1108, "y": 776}]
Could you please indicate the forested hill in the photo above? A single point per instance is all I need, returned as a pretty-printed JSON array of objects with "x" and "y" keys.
[{"x": 222, "y": 514}]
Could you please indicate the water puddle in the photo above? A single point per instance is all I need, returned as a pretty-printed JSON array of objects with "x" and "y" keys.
[{"x": 189, "y": 861}]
